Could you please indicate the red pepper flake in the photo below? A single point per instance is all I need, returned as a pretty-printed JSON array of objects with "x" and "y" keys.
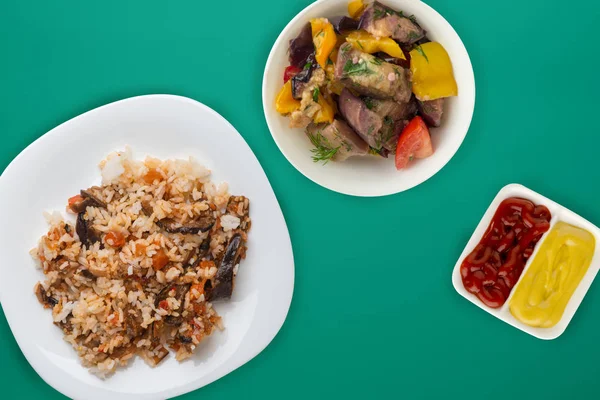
[{"x": 163, "y": 304}]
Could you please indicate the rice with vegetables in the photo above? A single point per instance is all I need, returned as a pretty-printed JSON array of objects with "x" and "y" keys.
[{"x": 148, "y": 251}]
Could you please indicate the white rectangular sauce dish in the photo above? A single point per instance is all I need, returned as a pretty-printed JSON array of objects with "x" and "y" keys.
[{"x": 559, "y": 213}]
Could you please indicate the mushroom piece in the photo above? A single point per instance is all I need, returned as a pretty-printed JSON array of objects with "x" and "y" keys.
[
  {"x": 196, "y": 255},
  {"x": 87, "y": 234},
  {"x": 122, "y": 351},
  {"x": 93, "y": 200},
  {"x": 156, "y": 356},
  {"x": 184, "y": 339},
  {"x": 86, "y": 273},
  {"x": 133, "y": 322},
  {"x": 204, "y": 223},
  {"x": 88, "y": 199},
  {"x": 222, "y": 287},
  {"x": 180, "y": 292},
  {"x": 42, "y": 296}
]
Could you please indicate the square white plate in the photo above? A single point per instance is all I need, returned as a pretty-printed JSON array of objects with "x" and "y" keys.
[
  {"x": 65, "y": 160},
  {"x": 559, "y": 213}
]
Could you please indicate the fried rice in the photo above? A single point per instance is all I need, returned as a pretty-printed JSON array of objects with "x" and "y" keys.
[{"x": 136, "y": 273}]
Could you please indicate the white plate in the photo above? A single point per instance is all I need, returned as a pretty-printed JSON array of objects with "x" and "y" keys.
[
  {"x": 559, "y": 213},
  {"x": 65, "y": 160},
  {"x": 371, "y": 176}
]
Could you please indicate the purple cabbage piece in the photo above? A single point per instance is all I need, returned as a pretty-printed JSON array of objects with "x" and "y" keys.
[
  {"x": 301, "y": 47},
  {"x": 343, "y": 24},
  {"x": 301, "y": 79}
]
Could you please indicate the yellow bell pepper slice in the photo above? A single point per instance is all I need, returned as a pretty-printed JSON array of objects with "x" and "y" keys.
[
  {"x": 356, "y": 8},
  {"x": 324, "y": 39},
  {"x": 327, "y": 111},
  {"x": 364, "y": 41},
  {"x": 285, "y": 102},
  {"x": 432, "y": 75}
]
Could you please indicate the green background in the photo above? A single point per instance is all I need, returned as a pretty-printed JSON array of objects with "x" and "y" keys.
[{"x": 374, "y": 311}]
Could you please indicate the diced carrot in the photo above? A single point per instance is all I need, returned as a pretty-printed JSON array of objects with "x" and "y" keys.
[
  {"x": 160, "y": 259},
  {"x": 207, "y": 264},
  {"x": 140, "y": 249},
  {"x": 198, "y": 287},
  {"x": 75, "y": 199},
  {"x": 152, "y": 175},
  {"x": 115, "y": 239}
]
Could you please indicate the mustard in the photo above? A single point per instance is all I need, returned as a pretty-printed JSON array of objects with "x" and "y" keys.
[{"x": 542, "y": 295}]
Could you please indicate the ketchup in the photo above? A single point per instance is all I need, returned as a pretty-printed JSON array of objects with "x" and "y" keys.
[{"x": 495, "y": 265}]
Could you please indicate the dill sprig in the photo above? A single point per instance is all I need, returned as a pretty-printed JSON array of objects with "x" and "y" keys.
[
  {"x": 421, "y": 52},
  {"x": 323, "y": 151},
  {"x": 360, "y": 68}
]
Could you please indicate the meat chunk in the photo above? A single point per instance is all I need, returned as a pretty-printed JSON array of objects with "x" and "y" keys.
[
  {"x": 382, "y": 21},
  {"x": 370, "y": 76},
  {"x": 392, "y": 109},
  {"x": 432, "y": 111},
  {"x": 392, "y": 135},
  {"x": 338, "y": 135},
  {"x": 366, "y": 123}
]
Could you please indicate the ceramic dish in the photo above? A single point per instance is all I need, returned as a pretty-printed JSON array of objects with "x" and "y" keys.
[
  {"x": 371, "y": 176},
  {"x": 559, "y": 213},
  {"x": 66, "y": 159}
]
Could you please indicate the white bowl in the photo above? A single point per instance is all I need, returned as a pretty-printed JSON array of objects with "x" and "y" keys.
[
  {"x": 65, "y": 160},
  {"x": 559, "y": 213},
  {"x": 372, "y": 176}
]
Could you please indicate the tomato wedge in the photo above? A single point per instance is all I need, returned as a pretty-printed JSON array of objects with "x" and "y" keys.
[{"x": 414, "y": 142}]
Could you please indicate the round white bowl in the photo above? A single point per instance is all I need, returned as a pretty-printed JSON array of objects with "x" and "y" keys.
[{"x": 372, "y": 176}]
